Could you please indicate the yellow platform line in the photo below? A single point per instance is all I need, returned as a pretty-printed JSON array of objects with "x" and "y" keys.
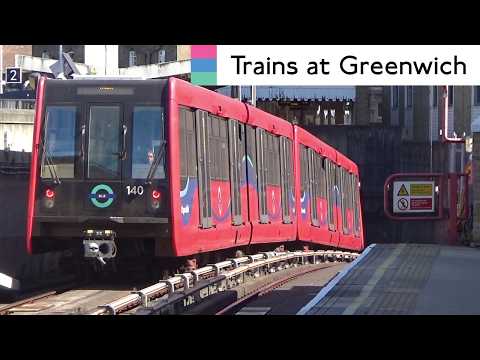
[{"x": 370, "y": 285}]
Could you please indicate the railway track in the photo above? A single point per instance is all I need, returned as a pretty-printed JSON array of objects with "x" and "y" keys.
[{"x": 235, "y": 281}]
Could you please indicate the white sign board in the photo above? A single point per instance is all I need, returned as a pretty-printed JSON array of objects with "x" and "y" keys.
[{"x": 413, "y": 196}]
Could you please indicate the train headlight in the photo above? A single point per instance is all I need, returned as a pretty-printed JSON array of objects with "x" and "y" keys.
[{"x": 49, "y": 203}]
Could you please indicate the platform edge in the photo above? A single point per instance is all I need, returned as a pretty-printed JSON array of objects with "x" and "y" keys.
[{"x": 326, "y": 289}]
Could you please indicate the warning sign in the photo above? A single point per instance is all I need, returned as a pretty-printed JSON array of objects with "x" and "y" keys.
[
  {"x": 421, "y": 189},
  {"x": 413, "y": 196},
  {"x": 403, "y": 191},
  {"x": 403, "y": 204},
  {"x": 421, "y": 204}
]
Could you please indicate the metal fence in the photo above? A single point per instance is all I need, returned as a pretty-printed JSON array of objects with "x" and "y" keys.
[{"x": 17, "y": 104}]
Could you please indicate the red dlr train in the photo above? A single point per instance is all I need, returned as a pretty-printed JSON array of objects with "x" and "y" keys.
[{"x": 167, "y": 169}]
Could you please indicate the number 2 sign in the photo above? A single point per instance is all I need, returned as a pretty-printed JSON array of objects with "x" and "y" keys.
[{"x": 14, "y": 76}]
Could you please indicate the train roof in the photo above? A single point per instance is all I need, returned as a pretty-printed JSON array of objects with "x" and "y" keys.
[
  {"x": 324, "y": 149},
  {"x": 214, "y": 103}
]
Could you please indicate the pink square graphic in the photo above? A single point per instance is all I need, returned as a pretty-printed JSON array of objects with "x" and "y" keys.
[{"x": 204, "y": 51}]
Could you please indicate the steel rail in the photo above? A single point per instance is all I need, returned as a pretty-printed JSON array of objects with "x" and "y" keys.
[
  {"x": 225, "y": 270},
  {"x": 264, "y": 289}
]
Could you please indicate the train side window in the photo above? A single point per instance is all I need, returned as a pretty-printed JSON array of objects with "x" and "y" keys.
[
  {"x": 188, "y": 163},
  {"x": 203, "y": 165},
  {"x": 223, "y": 151},
  {"x": 262, "y": 164},
  {"x": 59, "y": 145},
  {"x": 339, "y": 190},
  {"x": 213, "y": 138},
  {"x": 236, "y": 151},
  {"x": 285, "y": 177},
  {"x": 148, "y": 137},
  {"x": 356, "y": 218},
  {"x": 218, "y": 138},
  {"x": 344, "y": 198},
  {"x": 305, "y": 191},
  {"x": 313, "y": 187},
  {"x": 251, "y": 157},
  {"x": 276, "y": 159},
  {"x": 323, "y": 180},
  {"x": 331, "y": 196},
  {"x": 291, "y": 184}
]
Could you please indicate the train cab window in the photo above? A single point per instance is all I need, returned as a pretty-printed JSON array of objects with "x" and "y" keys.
[
  {"x": 104, "y": 142},
  {"x": 148, "y": 141},
  {"x": 59, "y": 147}
]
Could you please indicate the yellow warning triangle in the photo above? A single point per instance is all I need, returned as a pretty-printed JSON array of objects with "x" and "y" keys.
[{"x": 403, "y": 191}]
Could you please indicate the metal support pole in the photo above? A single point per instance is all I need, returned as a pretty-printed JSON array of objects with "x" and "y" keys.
[
  {"x": 240, "y": 93},
  {"x": 254, "y": 95},
  {"x": 1, "y": 69},
  {"x": 452, "y": 219},
  {"x": 60, "y": 57},
  {"x": 105, "y": 60}
]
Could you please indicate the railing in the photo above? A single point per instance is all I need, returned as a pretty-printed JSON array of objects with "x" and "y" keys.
[{"x": 17, "y": 104}]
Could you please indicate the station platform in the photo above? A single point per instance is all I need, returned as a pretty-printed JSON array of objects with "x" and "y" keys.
[{"x": 403, "y": 279}]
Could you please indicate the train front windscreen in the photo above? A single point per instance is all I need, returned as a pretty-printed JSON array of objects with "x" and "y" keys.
[{"x": 102, "y": 155}]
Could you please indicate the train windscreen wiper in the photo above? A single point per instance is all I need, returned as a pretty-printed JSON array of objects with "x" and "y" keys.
[
  {"x": 48, "y": 159},
  {"x": 156, "y": 162},
  {"x": 51, "y": 166}
]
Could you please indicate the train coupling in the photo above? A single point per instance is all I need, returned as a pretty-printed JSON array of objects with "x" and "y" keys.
[{"x": 99, "y": 244}]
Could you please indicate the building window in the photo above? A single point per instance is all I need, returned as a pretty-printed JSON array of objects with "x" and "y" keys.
[
  {"x": 409, "y": 96},
  {"x": 380, "y": 111},
  {"x": 395, "y": 93},
  {"x": 450, "y": 96},
  {"x": 132, "y": 58},
  {"x": 45, "y": 55},
  {"x": 476, "y": 93},
  {"x": 161, "y": 56},
  {"x": 434, "y": 96}
]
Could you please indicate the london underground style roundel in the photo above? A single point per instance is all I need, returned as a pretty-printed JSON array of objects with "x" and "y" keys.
[{"x": 102, "y": 196}]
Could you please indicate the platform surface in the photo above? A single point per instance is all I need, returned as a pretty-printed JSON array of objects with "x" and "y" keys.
[{"x": 402, "y": 279}]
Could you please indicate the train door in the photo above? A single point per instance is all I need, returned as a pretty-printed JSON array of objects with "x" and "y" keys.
[
  {"x": 236, "y": 132},
  {"x": 102, "y": 150},
  {"x": 203, "y": 163}
]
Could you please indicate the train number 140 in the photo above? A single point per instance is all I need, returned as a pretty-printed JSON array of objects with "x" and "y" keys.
[{"x": 135, "y": 190}]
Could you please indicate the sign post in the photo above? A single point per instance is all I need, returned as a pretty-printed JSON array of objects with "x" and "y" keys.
[{"x": 14, "y": 76}]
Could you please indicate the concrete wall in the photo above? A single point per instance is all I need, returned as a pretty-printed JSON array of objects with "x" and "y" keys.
[
  {"x": 380, "y": 152},
  {"x": 31, "y": 270},
  {"x": 146, "y": 54},
  {"x": 52, "y": 50},
  {"x": 16, "y": 127},
  {"x": 13, "y": 197}
]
